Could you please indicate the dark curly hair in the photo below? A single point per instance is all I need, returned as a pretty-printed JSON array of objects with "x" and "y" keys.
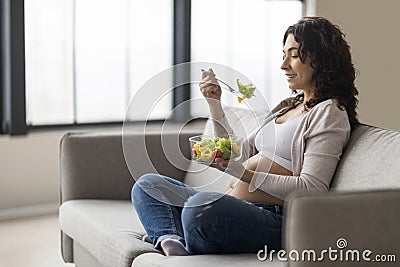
[{"x": 330, "y": 57}]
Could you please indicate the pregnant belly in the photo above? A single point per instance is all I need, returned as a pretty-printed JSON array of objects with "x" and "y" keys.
[{"x": 261, "y": 164}]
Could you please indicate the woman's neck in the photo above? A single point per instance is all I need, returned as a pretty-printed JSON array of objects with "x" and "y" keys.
[{"x": 307, "y": 96}]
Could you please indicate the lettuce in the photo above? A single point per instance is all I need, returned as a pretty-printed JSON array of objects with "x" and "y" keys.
[{"x": 247, "y": 90}]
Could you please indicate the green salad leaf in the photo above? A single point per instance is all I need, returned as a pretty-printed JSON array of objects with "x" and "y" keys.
[{"x": 247, "y": 90}]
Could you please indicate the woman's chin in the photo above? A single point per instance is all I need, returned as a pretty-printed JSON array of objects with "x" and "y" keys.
[
  {"x": 294, "y": 88},
  {"x": 291, "y": 86}
]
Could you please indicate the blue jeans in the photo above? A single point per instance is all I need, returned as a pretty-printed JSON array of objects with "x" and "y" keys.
[{"x": 205, "y": 222}]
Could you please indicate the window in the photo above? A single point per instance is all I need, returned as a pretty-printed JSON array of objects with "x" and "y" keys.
[
  {"x": 85, "y": 59},
  {"x": 49, "y": 62},
  {"x": 69, "y": 62}
]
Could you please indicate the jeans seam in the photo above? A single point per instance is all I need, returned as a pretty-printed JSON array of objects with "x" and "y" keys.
[{"x": 171, "y": 216}]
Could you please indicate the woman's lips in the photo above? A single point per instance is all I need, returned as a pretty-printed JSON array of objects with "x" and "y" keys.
[{"x": 290, "y": 76}]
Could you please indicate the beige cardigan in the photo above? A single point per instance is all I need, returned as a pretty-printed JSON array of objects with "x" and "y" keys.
[{"x": 317, "y": 145}]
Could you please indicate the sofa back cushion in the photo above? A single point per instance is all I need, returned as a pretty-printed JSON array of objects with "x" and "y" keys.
[{"x": 371, "y": 161}]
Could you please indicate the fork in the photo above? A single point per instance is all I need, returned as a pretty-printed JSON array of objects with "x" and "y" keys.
[{"x": 233, "y": 90}]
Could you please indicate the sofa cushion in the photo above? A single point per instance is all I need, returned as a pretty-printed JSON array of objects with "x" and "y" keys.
[
  {"x": 371, "y": 161},
  {"x": 239, "y": 260},
  {"x": 109, "y": 229}
]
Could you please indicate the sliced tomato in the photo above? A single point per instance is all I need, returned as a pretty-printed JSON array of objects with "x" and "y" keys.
[{"x": 217, "y": 154}]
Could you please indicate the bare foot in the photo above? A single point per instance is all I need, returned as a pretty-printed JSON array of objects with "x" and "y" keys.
[{"x": 173, "y": 247}]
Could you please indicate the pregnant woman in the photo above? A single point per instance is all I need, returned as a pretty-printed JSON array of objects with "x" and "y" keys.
[{"x": 311, "y": 128}]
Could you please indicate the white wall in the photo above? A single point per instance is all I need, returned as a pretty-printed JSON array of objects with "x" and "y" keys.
[
  {"x": 29, "y": 169},
  {"x": 371, "y": 28}
]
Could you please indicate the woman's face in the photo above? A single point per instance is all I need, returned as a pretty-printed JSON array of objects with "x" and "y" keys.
[{"x": 299, "y": 74}]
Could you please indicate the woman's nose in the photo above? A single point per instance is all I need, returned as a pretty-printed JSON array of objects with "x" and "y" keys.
[{"x": 285, "y": 65}]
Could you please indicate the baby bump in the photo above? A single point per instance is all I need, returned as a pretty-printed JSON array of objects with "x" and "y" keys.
[{"x": 261, "y": 164}]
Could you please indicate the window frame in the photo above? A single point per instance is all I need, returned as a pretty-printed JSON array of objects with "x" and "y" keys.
[{"x": 12, "y": 72}]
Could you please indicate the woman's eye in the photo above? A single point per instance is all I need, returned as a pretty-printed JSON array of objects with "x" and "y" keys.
[{"x": 292, "y": 56}]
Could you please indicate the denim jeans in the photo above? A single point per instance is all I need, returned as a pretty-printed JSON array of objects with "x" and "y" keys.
[{"x": 205, "y": 222}]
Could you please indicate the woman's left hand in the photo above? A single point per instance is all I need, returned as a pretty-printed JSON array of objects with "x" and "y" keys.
[{"x": 233, "y": 168}]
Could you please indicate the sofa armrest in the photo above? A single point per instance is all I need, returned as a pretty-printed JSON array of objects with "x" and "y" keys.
[
  {"x": 343, "y": 221},
  {"x": 93, "y": 165}
]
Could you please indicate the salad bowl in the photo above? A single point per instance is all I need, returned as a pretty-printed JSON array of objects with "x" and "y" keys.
[{"x": 206, "y": 148}]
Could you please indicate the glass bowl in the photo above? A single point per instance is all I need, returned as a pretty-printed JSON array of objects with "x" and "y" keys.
[{"x": 205, "y": 148}]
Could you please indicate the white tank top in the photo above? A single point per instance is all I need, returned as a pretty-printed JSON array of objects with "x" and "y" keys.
[{"x": 280, "y": 149}]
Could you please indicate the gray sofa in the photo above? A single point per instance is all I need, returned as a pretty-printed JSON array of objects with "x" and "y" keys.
[{"x": 99, "y": 226}]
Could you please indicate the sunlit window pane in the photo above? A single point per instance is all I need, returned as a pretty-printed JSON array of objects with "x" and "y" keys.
[
  {"x": 85, "y": 59},
  {"x": 151, "y": 50},
  {"x": 245, "y": 35},
  {"x": 101, "y": 64},
  {"x": 49, "y": 81}
]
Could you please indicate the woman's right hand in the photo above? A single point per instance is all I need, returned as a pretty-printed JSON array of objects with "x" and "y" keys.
[
  {"x": 211, "y": 90},
  {"x": 209, "y": 86}
]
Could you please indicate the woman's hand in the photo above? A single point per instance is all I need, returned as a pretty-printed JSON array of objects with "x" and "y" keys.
[
  {"x": 211, "y": 90},
  {"x": 234, "y": 168},
  {"x": 209, "y": 85}
]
